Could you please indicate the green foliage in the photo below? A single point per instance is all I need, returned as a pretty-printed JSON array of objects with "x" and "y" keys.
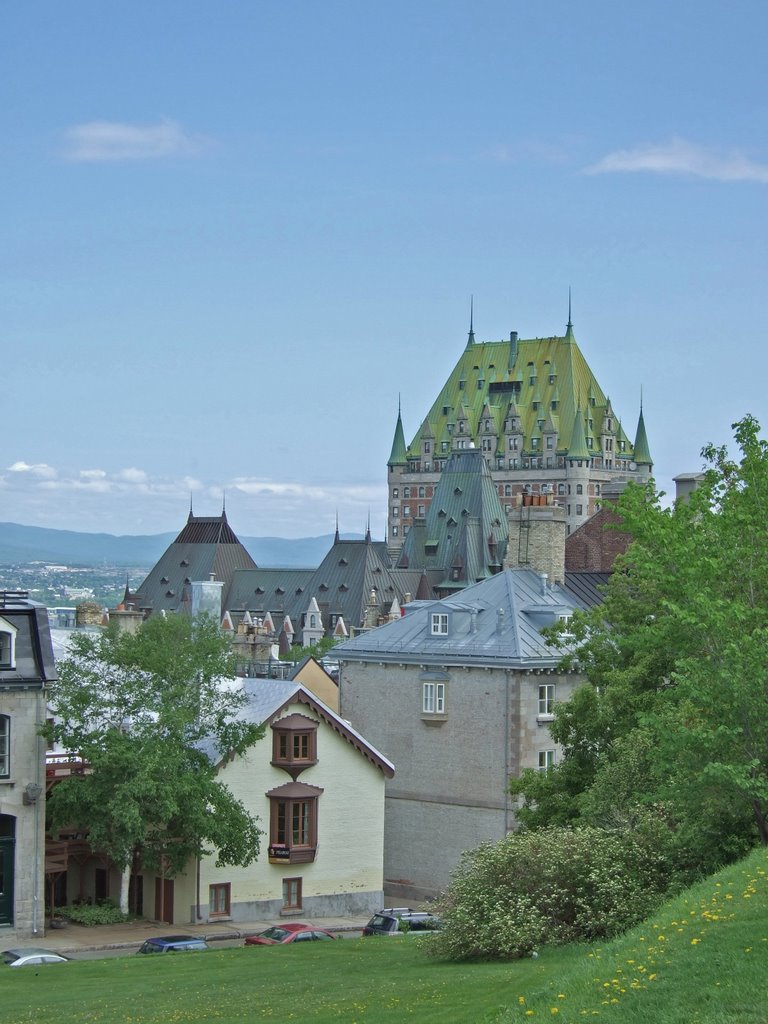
[
  {"x": 552, "y": 885},
  {"x": 148, "y": 714},
  {"x": 677, "y": 662},
  {"x": 316, "y": 651},
  {"x": 103, "y": 912}
]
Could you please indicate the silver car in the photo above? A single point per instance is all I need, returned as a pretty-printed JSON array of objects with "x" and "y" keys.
[{"x": 31, "y": 956}]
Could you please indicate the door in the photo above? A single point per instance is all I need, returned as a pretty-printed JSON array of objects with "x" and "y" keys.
[
  {"x": 164, "y": 900},
  {"x": 7, "y": 844}
]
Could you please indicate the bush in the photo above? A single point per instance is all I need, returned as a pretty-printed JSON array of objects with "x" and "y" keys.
[
  {"x": 551, "y": 885},
  {"x": 103, "y": 912}
]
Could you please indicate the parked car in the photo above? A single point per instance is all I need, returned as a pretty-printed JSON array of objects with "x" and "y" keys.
[
  {"x": 288, "y": 933},
  {"x": 32, "y": 956},
  {"x": 173, "y": 944},
  {"x": 401, "y": 921}
]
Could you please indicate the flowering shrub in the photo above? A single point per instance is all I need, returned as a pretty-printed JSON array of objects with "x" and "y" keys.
[{"x": 551, "y": 885}]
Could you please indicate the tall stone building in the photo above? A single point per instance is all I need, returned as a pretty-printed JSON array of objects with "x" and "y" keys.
[{"x": 543, "y": 423}]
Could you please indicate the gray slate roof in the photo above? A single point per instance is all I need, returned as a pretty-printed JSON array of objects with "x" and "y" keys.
[
  {"x": 267, "y": 697},
  {"x": 341, "y": 585},
  {"x": 33, "y": 651},
  {"x": 497, "y": 621},
  {"x": 206, "y": 545}
]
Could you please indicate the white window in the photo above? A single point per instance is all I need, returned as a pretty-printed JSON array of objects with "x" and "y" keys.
[
  {"x": 5, "y": 746},
  {"x": 546, "y": 698},
  {"x": 7, "y": 645},
  {"x": 433, "y": 699},
  {"x": 439, "y": 624},
  {"x": 546, "y": 759}
]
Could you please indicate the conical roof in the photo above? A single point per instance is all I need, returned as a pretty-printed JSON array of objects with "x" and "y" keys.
[
  {"x": 642, "y": 451},
  {"x": 397, "y": 456}
]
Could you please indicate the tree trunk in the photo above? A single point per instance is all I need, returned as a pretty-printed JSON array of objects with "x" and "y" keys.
[{"x": 125, "y": 881}]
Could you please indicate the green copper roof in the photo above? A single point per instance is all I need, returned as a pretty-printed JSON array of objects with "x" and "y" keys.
[
  {"x": 398, "y": 454},
  {"x": 519, "y": 372},
  {"x": 578, "y": 448},
  {"x": 642, "y": 451}
]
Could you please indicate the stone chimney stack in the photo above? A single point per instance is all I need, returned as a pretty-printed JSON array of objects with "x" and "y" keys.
[{"x": 537, "y": 537}]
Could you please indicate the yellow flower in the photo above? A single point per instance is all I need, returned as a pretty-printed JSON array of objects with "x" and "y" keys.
[
  {"x": 695, "y": 942},
  {"x": 554, "y": 1009},
  {"x": 561, "y": 995},
  {"x": 521, "y": 1000}
]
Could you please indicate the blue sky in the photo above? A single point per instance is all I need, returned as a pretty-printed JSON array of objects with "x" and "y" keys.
[{"x": 236, "y": 232}]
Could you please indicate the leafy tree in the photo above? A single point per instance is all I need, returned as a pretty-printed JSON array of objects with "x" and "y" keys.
[
  {"x": 151, "y": 716},
  {"x": 677, "y": 662}
]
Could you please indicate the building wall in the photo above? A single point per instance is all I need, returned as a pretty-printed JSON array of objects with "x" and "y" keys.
[
  {"x": 449, "y": 791},
  {"x": 346, "y": 877},
  {"x": 595, "y": 545},
  {"x": 26, "y": 709}
]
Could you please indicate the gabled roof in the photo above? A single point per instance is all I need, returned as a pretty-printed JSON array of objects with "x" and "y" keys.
[
  {"x": 268, "y": 699},
  {"x": 495, "y": 622}
]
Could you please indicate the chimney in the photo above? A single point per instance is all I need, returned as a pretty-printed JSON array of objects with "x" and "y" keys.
[
  {"x": 537, "y": 540},
  {"x": 207, "y": 597}
]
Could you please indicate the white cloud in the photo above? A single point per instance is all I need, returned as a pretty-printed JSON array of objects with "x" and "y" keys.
[
  {"x": 39, "y": 469},
  {"x": 92, "y": 474},
  {"x": 132, "y": 476},
  {"x": 682, "y": 157},
  {"x": 114, "y": 140}
]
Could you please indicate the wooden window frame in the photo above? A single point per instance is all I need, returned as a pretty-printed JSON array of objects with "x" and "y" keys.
[
  {"x": 215, "y": 890},
  {"x": 283, "y": 818},
  {"x": 291, "y": 887},
  {"x": 294, "y": 744}
]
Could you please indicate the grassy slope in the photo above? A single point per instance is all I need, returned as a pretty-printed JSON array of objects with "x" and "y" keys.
[{"x": 700, "y": 961}]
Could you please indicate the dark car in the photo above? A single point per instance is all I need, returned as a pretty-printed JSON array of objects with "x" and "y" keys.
[
  {"x": 31, "y": 956},
  {"x": 288, "y": 933},
  {"x": 173, "y": 944},
  {"x": 401, "y": 921}
]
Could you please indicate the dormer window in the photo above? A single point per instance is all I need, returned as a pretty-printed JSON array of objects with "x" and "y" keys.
[
  {"x": 7, "y": 644},
  {"x": 439, "y": 624}
]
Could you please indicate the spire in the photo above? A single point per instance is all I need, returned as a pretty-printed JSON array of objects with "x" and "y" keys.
[
  {"x": 336, "y": 535},
  {"x": 642, "y": 451},
  {"x": 578, "y": 446},
  {"x": 190, "y": 516},
  {"x": 368, "y": 529},
  {"x": 397, "y": 456},
  {"x": 223, "y": 504},
  {"x": 471, "y": 338},
  {"x": 569, "y": 325}
]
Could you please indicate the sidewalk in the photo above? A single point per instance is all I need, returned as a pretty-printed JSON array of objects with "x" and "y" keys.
[{"x": 76, "y": 938}]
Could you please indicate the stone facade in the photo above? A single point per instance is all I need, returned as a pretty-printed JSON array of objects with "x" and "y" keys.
[
  {"x": 459, "y": 694},
  {"x": 450, "y": 792},
  {"x": 26, "y": 667}
]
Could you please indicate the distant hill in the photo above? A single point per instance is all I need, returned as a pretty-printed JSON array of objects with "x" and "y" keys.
[{"x": 22, "y": 544}]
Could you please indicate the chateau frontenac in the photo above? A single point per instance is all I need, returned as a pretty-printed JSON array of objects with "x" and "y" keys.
[{"x": 545, "y": 427}]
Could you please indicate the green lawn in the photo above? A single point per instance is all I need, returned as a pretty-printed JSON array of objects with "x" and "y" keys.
[{"x": 700, "y": 961}]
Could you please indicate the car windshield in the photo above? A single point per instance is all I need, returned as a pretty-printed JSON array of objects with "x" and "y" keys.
[
  {"x": 276, "y": 934},
  {"x": 9, "y": 957},
  {"x": 380, "y": 921}
]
